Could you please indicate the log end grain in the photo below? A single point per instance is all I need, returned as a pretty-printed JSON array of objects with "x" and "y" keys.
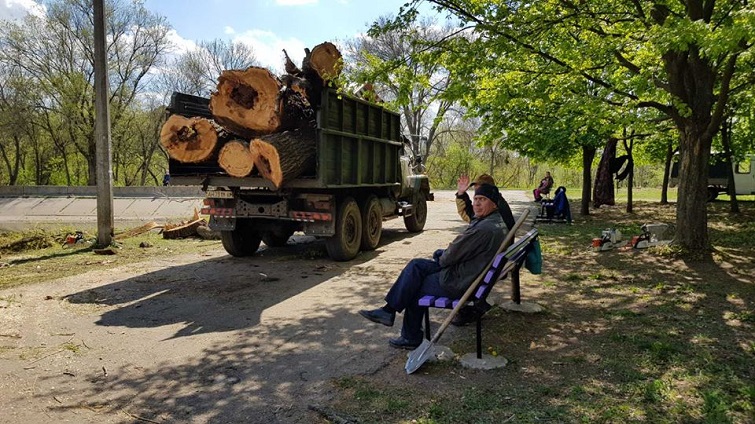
[
  {"x": 236, "y": 158},
  {"x": 247, "y": 101},
  {"x": 188, "y": 140},
  {"x": 267, "y": 161}
]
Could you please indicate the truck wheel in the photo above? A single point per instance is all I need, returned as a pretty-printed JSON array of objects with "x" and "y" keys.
[
  {"x": 416, "y": 221},
  {"x": 277, "y": 237},
  {"x": 712, "y": 193},
  {"x": 344, "y": 245},
  {"x": 372, "y": 223},
  {"x": 243, "y": 241}
]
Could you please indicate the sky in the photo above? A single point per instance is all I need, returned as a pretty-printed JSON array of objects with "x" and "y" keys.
[{"x": 267, "y": 25}]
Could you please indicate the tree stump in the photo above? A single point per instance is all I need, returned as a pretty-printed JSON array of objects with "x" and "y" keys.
[
  {"x": 284, "y": 156},
  {"x": 236, "y": 158},
  {"x": 189, "y": 140}
]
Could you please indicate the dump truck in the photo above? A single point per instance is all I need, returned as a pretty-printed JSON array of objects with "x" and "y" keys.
[
  {"x": 718, "y": 176},
  {"x": 363, "y": 175}
]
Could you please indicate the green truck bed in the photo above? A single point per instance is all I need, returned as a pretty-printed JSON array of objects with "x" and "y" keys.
[{"x": 358, "y": 144}]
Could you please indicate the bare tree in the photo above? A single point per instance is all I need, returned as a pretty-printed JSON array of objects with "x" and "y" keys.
[
  {"x": 196, "y": 71},
  {"x": 56, "y": 52},
  {"x": 392, "y": 61}
]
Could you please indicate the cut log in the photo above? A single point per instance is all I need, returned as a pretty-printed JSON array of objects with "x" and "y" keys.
[
  {"x": 320, "y": 67},
  {"x": 281, "y": 157},
  {"x": 236, "y": 158},
  {"x": 324, "y": 60},
  {"x": 182, "y": 230},
  {"x": 189, "y": 140},
  {"x": 251, "y": 103}
]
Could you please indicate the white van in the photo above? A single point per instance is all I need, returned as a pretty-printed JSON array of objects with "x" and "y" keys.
[{"x": 718, "y": 179}]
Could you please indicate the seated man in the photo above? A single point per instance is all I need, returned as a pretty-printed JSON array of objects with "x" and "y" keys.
[
  {"x": 469, "y": 314},
  {"x": 449, "y": 273},
  {"x": 544, "y": 188}
]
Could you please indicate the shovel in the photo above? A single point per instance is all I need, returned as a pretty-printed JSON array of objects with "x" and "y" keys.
[{"x": 420, "y": 355}]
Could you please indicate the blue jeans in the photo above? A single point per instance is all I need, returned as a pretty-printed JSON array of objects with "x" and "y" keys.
[{"x": 420, "y": 277}]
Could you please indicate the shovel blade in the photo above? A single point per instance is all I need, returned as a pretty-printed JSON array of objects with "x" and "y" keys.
[{"x": 419, "y": 356}]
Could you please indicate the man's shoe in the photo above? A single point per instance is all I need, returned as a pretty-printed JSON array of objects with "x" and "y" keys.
[
  {"x": 380, "y": 316},
  {"x": 402, "y": 343}
]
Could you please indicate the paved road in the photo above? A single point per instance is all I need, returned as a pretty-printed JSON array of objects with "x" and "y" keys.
[{"x": 18, "y": 213}]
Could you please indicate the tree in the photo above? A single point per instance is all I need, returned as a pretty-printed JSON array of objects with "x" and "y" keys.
[
  {"x": 396, "y": 61},
  {"x": 196, "y": 71},
  {"x": 676, "y": 57},
  {"x": 56, "y": 53}
]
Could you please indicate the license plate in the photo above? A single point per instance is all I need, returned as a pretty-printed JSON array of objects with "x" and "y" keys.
[{"x": 219, "y": 194}]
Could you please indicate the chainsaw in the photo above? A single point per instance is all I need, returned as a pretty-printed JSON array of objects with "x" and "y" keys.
[
  {"x": 608, "y": 240},
  {"x": 652, "y": 235}
]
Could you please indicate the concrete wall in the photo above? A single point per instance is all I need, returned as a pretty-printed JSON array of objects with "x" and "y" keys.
[{"x": 91, "y": 191}]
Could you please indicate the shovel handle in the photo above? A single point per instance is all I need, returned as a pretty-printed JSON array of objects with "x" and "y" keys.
[{"x": 472, "y": 287}]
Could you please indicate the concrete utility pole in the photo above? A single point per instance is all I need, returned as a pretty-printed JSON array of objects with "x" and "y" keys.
[{"x": 105, "y": 218}]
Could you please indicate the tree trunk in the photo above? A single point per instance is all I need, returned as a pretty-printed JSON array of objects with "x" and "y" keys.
[
  {"x": 603, "y": 193},
  {"x": 691, "y": 212},
  {"x": 236, "y": 158},
  {"x": 667, "y": 172},
  {"x": 628, "y": 147},
  {"x": 189, "y": 140},
  {"x": 731, "y": 187},
  {"x": 588, "y": 154},
  {"x": 284, "y": 156}
]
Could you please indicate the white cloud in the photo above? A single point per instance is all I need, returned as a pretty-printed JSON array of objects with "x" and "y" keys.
[
  {"x": 268, "y": 48},
  {"x": 18, "y": 9},
  {"x": 229, "y": 30},
  {"x": 295, "y": 2}
]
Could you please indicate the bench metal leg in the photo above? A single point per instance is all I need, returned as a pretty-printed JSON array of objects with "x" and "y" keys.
[
  {"x": 516, "y": 294},
  {"x": 479, "y": 337},
  {"x": 427, "y": 323}
]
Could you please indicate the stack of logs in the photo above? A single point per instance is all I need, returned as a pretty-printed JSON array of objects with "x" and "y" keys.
[{"x": 260, "y": 120}]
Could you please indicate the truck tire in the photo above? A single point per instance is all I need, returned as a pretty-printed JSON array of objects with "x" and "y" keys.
[
  {"x": 344, "y": 244},
  {"x": 372, "y": 223},
  {"x": 278, "y": 236},
  {"x": 243, "y": 241},
  {"x": 416, "y": 221},
  {"x": 712, "y": 193}
]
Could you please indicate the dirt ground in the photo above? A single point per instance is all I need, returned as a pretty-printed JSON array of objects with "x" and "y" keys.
[{"x": 207, "y": 338}]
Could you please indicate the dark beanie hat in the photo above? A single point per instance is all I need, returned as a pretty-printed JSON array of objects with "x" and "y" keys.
[{"x": 489, "y": 191}]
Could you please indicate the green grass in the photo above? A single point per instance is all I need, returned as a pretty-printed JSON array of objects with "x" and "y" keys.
[
  {"x": 646, "y": 335},
  {"x": 39, "y": 255}
]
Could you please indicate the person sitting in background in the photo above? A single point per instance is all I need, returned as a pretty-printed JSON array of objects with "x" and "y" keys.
[
  {"x": 449, "y": 273},
  {"x": 544, "y": 188}
]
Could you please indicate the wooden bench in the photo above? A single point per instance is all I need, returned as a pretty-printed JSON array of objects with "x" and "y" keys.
[{"x": 505, "y": 264}]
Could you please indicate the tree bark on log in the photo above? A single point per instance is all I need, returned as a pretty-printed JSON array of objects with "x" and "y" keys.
[
  {"x": 253, "y": 102},
  {"x": 236, "y": 158},
  {"x": 189, "y": 140},
  {"x": 281, "y": 157}
]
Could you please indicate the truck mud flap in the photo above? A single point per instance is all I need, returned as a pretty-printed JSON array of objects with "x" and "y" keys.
[{"x": 222, "y": 224}]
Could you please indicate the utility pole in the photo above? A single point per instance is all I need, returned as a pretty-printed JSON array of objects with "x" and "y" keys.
[{"x": 104, "y": 172}]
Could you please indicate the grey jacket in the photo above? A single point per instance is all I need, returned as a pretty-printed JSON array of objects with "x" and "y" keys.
[{"x": 470, "y": 252}]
